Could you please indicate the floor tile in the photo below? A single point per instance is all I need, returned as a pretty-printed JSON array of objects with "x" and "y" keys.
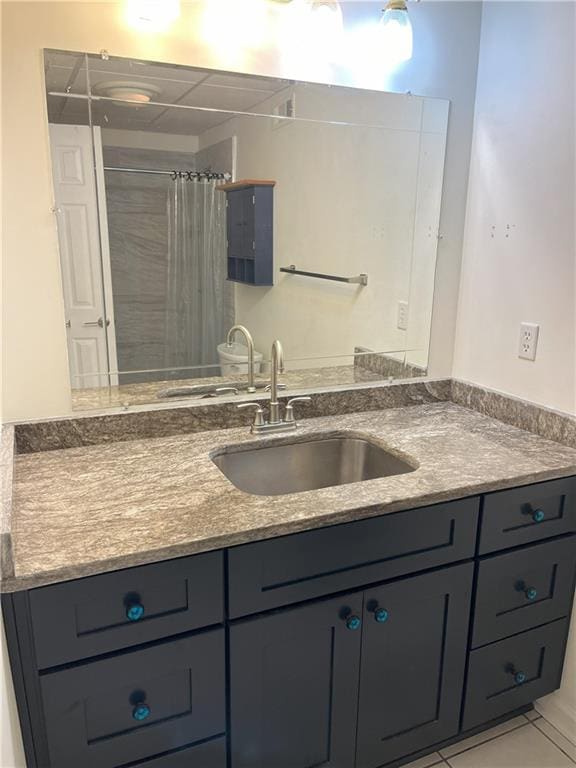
[
  {"x": 480, "y": 738},
  {"x": 558, "y": 738},
  {"x": 523, "y": 748},
  {"x": 426, "y": 762},
  {"x": 533, "y": 715}
]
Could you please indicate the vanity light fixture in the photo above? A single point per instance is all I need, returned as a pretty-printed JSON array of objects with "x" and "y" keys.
[
  {"x": 152, "y": 15},
  {"x": 327, "y": 22},
  {"x": 396, "y": 31}
]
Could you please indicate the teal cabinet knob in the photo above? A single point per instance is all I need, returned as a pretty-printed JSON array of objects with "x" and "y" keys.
[
  {"x": 134, "y": 612},
  {"x": 381, "y": 615},
  {"x": 141, "y": 712},
  {"x": 531, "y": 593},
  {"x": 519, "y": 678},
  {"x": 353, "y": 622},
  {"x": 538, "y": 515}
]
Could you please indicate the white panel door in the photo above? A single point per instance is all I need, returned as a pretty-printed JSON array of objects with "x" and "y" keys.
[{"x": 89, "y": 318}]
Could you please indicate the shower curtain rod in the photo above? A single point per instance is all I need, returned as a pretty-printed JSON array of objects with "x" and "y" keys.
[{"x": 189, "y": 175}]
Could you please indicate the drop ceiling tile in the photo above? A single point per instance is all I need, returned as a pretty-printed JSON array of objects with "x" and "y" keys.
[
  {"x": 267, "y": 84},
  {"x": 188, "y": 122},
  {"x": 62, "y": 58},
  {"x": 220, "y": 97}
]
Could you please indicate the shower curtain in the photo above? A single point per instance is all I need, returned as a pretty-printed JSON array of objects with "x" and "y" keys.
[{"x": 199, "y": 303}]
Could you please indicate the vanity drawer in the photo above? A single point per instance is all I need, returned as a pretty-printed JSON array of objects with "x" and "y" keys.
[
  {"x": 492, "y": 688},
  {"x": 135, "y": 705},
  {"x": 209, "y": 754},
  {"x": 524, "y": 589},
  {"x": 528, "y": 514},
  {"x": 294, "y": 568},
  {"x": 95, "y": 615}
]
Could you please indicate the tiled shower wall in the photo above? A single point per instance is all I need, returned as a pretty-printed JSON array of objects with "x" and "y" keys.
[{"x": 138, "y": 241}]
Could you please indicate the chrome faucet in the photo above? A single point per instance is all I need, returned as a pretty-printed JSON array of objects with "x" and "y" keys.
[
  {"x": 275, "y": 423},
  {"x": 276, "y": 367},
  {"x": 250, "y": 344}
]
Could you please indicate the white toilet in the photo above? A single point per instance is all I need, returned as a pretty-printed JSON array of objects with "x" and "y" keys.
[{"x": 234, "y": 359}]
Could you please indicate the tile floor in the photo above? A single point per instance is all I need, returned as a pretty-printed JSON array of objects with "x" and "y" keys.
[{"x": 527, "y": 741}]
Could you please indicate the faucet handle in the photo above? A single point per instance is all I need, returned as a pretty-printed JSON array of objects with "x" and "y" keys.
[
  {"x": 289, "y": 415},
  {"x": 259, "y": 420},
  {"x": 224, "y": 390}
]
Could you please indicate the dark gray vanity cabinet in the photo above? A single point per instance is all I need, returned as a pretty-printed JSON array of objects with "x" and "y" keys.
[
  {"x": 361, "y": 645},
  {"x": 412, "y": 664},
  {"x": 388, "y": 662},
  {"x": 294, "y": 686}
]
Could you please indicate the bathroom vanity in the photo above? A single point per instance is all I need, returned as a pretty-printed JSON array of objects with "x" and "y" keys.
[{"x": 363, "y": 639}]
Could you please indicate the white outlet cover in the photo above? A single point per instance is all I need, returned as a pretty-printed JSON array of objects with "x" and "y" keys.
[
  {"x": 528, "y": 343},
  {"x": 402, "y": 316}
]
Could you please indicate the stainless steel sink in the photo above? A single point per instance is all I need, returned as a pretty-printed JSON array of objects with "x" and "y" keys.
[{"x": 305, "y": 465}]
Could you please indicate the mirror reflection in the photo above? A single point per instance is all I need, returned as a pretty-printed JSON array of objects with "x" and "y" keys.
[{"x": 191, "y": 201}]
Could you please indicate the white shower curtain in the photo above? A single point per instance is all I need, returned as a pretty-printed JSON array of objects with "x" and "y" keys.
[{"x": 199, "y": 299}]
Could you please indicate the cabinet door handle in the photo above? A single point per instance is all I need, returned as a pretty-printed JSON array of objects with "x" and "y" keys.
[
  {"x": 141, "y": 712},
  {"x": 381, "y": 615},
  {"x": 353, "y": 622},
  {"x": 538, "y": 515}
]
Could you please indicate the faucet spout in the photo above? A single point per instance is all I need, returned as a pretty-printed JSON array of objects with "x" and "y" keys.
[
  {"x": 250, "y": 344},
  {"x": 276, "y": 366}
]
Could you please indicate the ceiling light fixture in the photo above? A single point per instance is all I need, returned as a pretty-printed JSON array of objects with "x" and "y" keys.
[
  {"x": 133, "y": 93},
  {"x": 396, "y": 31},
  {"x": 152, "y": 15}
]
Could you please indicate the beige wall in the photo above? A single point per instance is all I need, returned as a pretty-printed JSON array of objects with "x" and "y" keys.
[
  {"x": 519, "y": 255},
  {"x": 348, "y": 199},
  {"x": 522, "y": 175},
  {"x": 34, "y": 350}
]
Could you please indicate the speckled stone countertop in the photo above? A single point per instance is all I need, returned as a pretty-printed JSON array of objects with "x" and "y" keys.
[{"x": 82, "y": 511}]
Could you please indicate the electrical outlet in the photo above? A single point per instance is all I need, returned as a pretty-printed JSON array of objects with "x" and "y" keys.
[
  {"x": 402, "y": 316},
  {"x": 528, "y": 341}
]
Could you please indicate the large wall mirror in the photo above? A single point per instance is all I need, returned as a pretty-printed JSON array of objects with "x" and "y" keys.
[{"x": 190, "y": 201}]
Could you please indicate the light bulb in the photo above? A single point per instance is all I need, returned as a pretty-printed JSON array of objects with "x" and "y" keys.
[
  {"x": 396, "y": 32},
  {"x": 152, "y": 15},
  {"x": 326, "y": 27}
]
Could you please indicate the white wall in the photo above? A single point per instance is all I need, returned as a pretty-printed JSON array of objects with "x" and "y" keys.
[
  {"x": 34, "y": 349},
  {"x": 522, "y": 175}
]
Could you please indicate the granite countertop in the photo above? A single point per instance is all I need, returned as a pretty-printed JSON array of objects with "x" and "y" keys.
[{"x": 83, "y": 511}]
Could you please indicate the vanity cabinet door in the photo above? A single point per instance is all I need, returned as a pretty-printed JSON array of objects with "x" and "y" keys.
[
  {"x": 294, "y": 686},
  {"x": 412, "y": 669}
]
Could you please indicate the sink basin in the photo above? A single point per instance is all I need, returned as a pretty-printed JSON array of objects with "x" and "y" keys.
[{"x": 305, "y": 465}]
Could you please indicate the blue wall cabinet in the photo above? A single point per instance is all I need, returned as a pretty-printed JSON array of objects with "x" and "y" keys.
[{"x": 249, "y": 231}]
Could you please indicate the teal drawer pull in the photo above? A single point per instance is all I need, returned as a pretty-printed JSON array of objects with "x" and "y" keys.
[
  {"x": 353, "y": 622},
  {"x": 141, "y": 712},
  {"x": 531, "y": 593},
  {"x": 519, "y": 678},
  {"x": 538, "y": 515},
  {"x": 135, "y": 612}
]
